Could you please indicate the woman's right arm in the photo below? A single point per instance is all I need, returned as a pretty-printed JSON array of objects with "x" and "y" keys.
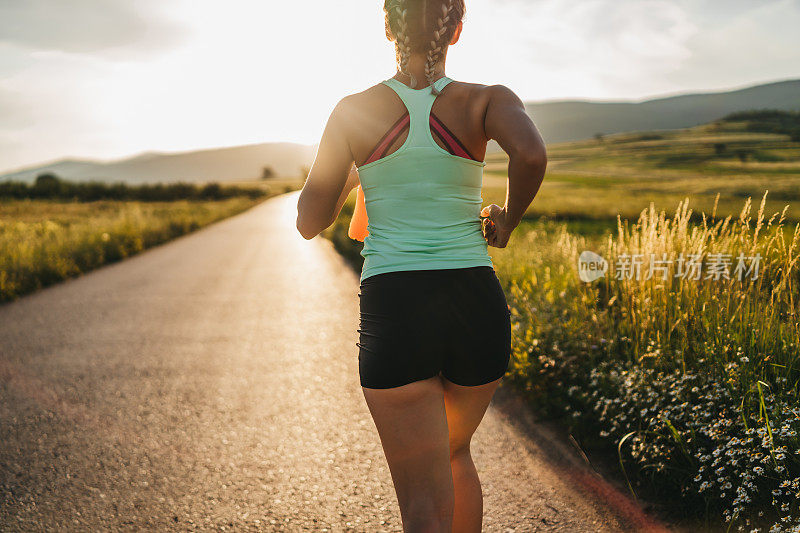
[{"x": 508, "y": 123}]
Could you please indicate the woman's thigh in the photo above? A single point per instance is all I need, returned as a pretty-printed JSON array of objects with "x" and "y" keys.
[
  {"x": 465, "y": 407},
  {"x": 412, "y": 425}
]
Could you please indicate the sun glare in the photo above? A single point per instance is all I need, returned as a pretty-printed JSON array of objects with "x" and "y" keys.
[{"x": 242, "y": 72}]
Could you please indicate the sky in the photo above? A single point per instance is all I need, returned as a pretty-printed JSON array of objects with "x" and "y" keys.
[{"x": 104, "y": 79}]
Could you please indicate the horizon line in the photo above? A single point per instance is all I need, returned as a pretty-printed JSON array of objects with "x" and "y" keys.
[{"x": 156, "y": 152}]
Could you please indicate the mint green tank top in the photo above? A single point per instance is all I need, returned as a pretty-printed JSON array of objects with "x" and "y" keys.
[{"x": 423, "y": 203}]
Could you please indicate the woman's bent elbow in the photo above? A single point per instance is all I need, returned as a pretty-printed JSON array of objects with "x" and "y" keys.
[
  {"x": 536, "y": 158},
  {"x": 304, "y": 230},
  {"x": 533, "y": 158},
  {"x": 302, "y": 223}
]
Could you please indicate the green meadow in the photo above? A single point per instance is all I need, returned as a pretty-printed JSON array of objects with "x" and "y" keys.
[
  {"x": 620, "y": 174},
  {"x": 686, "y": 382}
]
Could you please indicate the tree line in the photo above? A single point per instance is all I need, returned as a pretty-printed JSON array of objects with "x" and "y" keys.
[
  {"x": 769, "y": 121},
  {"x": 50, "y": 186}
]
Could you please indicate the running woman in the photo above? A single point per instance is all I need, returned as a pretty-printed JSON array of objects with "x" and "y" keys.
[{"x": 434, "y": 335}]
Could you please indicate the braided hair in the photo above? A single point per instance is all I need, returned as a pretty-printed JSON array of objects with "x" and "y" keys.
[
  {"x": 438, "y": 43},
  {"x": 424, "y": 26},
  {"x": 403, "y": 41}
]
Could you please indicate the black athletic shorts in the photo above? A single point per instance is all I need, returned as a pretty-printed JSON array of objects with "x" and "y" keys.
[{"x": 417, "y": 324}]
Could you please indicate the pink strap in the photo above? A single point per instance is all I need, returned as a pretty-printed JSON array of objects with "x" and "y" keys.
[
  {"x": 455, "y": 147},
  {"x": 389, "y": 139}
]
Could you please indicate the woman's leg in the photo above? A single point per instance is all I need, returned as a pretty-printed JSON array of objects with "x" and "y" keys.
[
  {"x": 465, "y": 408},
  {"x": 412, "y": 425}
]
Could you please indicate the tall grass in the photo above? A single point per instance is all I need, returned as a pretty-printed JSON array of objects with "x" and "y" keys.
[
  {"x": 718, "y": 321},
  {"x": 44, "y": 242},
  {"x": 693, "y": 382}
]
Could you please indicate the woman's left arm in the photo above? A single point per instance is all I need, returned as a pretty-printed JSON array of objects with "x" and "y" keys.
[{"x": 330, "y": 179}]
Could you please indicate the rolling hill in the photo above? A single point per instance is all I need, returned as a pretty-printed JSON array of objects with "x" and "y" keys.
[
  {"x": 572, "y": 120},
  {"x": 218, "y": 164}
]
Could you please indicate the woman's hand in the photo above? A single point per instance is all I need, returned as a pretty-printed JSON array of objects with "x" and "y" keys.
[{"x": 496, "y": 225}]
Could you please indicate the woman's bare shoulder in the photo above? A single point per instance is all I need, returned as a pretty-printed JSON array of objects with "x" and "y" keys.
[
  {"x": 478, "y": 97},
  {"x": 368, "y": 95},
  {"x": 350, "y": 111},
  {"x": 483, "y": 91},
  {"x": 361, "y": 103}
]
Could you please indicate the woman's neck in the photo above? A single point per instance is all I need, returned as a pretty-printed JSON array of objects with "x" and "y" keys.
[{"x": 416, "y": 67}]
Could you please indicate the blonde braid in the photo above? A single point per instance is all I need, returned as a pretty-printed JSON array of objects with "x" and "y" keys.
[
  {"x": 403, "y": 42},
  {"x": 437, "y": 44}
]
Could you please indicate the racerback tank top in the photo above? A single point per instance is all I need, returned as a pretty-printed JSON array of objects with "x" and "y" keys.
[{"x": 423, "y": 203}]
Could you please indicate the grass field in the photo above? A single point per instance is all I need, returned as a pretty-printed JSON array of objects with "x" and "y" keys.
[
  {"x": 692, "y": 385},
  {"x": 53, "y": 229},
  {"x": 43, "y": 242}
]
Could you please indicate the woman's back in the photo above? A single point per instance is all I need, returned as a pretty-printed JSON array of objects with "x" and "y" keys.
[
  {"x": 372, "y": 113},
  {"x": 422, "y": 188}
]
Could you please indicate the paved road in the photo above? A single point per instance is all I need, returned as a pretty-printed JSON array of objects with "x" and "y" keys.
[{"x": 211, "y": 383}]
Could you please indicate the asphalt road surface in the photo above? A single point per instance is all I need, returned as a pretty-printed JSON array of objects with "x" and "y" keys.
[{"x": 212, "y": 383}]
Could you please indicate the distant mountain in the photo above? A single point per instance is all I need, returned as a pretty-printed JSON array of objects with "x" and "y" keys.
[
  {"x": 559, "y": 121},
  {"x": 218, "y": 164},
  {"x": 573, "y": 120}
]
